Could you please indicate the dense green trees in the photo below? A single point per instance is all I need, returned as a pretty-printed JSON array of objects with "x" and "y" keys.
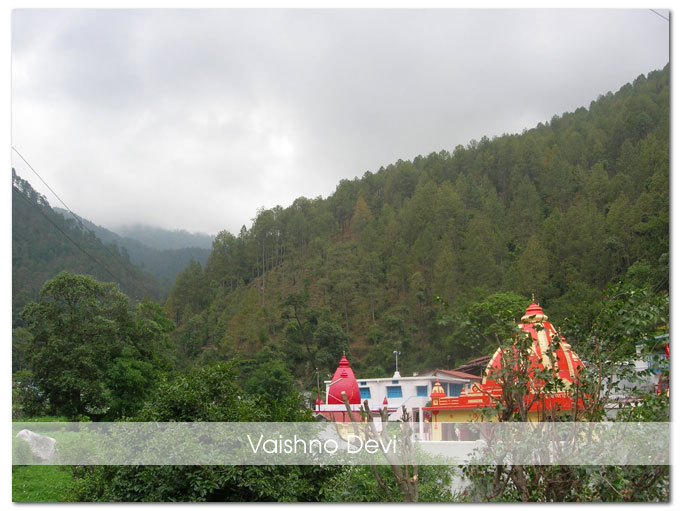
[
  {"x": 88, "y": 353},
  {"x": 564, "y": 210},
  {"x": 212, "y": 393},
  {"x": 560, "y": 210}
]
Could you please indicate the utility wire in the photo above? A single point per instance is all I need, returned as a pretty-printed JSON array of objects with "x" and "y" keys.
[
  {"x": 48, "y": 186},
  {"x": 660, "y": 15},
  {"x": 78, "y": 219},
  {"x": 67, "y": 236}
]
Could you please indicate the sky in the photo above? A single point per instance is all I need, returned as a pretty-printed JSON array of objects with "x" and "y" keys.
[{"x": 194, "y": 119}]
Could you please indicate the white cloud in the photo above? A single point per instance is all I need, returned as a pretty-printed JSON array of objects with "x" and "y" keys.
[{"x": 194, "y": 118}]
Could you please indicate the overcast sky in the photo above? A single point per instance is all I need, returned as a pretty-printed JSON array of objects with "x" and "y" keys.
[{"x": 194, "y": 119}]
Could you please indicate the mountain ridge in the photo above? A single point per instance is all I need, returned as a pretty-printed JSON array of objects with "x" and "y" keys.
[
  {"x": 164, "y": 264},
  {"x": 45, "y": 243}
]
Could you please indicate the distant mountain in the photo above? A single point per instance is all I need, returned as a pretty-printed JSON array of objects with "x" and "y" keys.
[
  {"x": 163, "y": 239},
  {"x": 164, "y": 264},
  {"x": 44, "y": 243}
]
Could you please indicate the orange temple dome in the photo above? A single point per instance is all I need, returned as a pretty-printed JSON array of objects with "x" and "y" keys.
[{"x": 549, "y": 349}]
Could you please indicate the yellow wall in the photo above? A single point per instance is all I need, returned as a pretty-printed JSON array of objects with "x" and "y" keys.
[{"x": 448, "y": 416}]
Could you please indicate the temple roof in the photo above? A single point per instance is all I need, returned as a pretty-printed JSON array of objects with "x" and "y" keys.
[
  {"x": 548, "y": 350},
  {"x": 343, "y": 381}
]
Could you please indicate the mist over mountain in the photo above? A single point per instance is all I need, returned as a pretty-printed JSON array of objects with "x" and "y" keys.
[
  {"x": 45, "y": 242},
  {"x": 163, "y": 239},
  {"x": 162, "y": 263}
]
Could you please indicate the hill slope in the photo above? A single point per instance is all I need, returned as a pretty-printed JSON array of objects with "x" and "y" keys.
[
  {"x": 45, "y": 243},
  {"x": 163, "y": 263},
  {"x": 561, "y": 211}
]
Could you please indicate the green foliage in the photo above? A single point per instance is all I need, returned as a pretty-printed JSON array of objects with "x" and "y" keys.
[
  {"x": 21, "y": 340},
  {"x": 90, "y": 354},
  {"x": 313, "y": 338},
  {"x": 331, "y": 343},
  {"x": 561, "y": 210},
  {"x": 201, "y": 484},
  {"x": 40, "y": 251},
  {"x": 28, "y": 400},
  {"x": 209, "y": 393},
  {"x": 187, "y": 295},
  {"x": 628, "y": 318},
  {"x": 481, "y": 327},
  {"x": 359, "y": 484}
]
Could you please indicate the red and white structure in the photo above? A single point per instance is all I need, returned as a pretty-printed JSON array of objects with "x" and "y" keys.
[{"x": 412, "y": 392}]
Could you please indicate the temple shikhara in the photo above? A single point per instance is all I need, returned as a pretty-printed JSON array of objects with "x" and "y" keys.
[
  {"x": 548, "y": 351},
  {"x": 439, "y": 399}
]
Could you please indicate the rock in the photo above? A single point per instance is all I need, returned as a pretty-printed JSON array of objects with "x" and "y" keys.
[{"x": 42, "y": 447}]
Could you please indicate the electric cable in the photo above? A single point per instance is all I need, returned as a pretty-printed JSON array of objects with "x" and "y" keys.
[{"x": 77, "y": 218}]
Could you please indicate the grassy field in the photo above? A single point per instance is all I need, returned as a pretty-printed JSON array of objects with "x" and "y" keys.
[{"x": 41, "y": 483}]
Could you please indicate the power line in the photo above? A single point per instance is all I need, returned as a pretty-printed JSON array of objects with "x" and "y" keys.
[
  {"x": 660, "y": 15},
  {"x": 67, "y": 236},
  {"x": 78, "y": 219},
  {"x": 48, "y": 186}
]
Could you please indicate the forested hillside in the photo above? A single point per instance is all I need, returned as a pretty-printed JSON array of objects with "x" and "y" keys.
[
  {"x": 40, "y": 251},
  {"x": 561, "y": 210},
  {"x": 162, "y": 262}
]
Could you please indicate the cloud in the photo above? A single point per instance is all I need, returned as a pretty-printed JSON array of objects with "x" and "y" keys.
[{"x": 195, "y": 118}]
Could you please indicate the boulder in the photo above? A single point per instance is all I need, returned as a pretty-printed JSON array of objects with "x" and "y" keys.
[{"x": 42, "y": 447}]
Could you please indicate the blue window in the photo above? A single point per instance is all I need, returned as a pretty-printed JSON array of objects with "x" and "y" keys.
[
  {"x": 362, "y": 383},
  {"x": 395, "y": 391},
  {"x": 422, "y": 390},
  {"x": 365, "y": 393},
  {"x": 455, "y": 389},
  {"x": 395, "y": 382}
]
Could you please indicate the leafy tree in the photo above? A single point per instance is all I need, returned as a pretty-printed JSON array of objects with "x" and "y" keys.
[
  {"x": 361, "y": 216},
  {"x": 481, "y": 327},
  {"x": 628, "y": 317},
  {"x": 212, "y": 394},
  {"x": 302, "y": 322},
  {"x": 331, "y": 342},
  {"x": 266, "y": 375},
  {"x": 21, "y": 340},
  {"x": 188, "y": 295},
  {"x": 83, "y": 356},
  {"x": 359, "y": 484}
]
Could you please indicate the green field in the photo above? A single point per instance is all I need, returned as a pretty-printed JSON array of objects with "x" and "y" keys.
[{"x": 41, "y": 483}]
